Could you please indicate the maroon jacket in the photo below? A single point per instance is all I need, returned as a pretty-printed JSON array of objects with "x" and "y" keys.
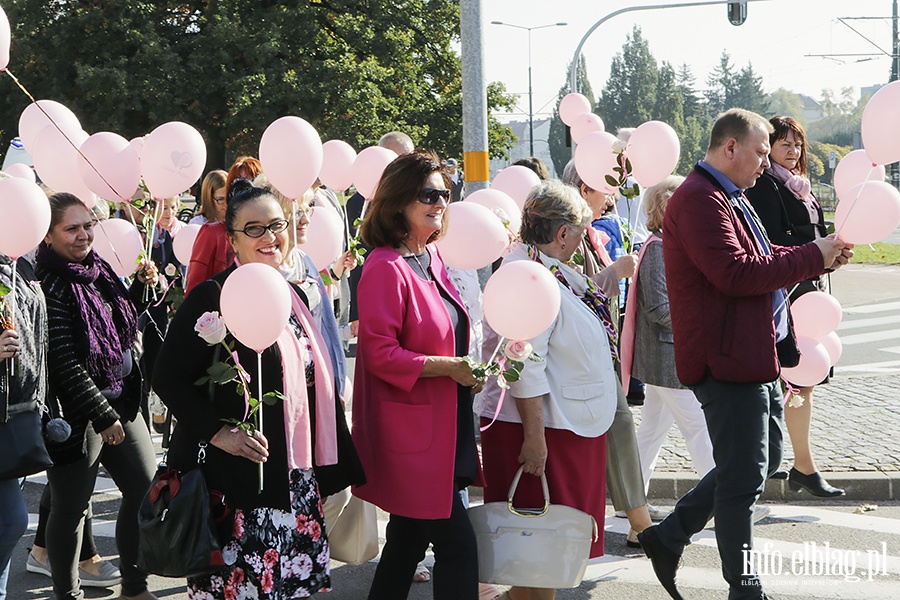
[{"x": 720, "y": 285}]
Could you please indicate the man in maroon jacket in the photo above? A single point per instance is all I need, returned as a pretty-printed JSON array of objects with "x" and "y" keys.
[{"x": 726, "y": 292}]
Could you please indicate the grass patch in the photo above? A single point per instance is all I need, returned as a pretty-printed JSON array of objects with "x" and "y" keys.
[{"x": 880, "y": 253}]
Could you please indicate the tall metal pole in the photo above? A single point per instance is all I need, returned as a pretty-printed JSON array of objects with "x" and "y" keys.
[
  {"x": 530, "y": 103},
  {"x": 474, "y": 96},
  {"x": 895, "y": 75}
]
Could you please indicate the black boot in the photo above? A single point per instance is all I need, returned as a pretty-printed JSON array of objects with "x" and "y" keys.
[{"x": 815, "y": 484}]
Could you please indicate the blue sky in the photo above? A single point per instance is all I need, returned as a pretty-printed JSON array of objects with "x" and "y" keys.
[{"x": 775, "y": 38}]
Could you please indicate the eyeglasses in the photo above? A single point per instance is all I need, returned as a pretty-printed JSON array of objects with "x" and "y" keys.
[
  {"x": 219, "y": 199},
  {"x": 305, "y": 212},
  {"x": 255, "y": 231},
  {"x": 432, "y": 196}
]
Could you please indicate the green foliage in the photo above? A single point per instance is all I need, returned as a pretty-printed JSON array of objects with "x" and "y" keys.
[
  {"x": 842, "y": 118},
  {"x": 354, "y": 69},
  {"x": 629, "y": 96},
  {"x": 783, "y": 102},
  {"x": 559, "y": 152}
]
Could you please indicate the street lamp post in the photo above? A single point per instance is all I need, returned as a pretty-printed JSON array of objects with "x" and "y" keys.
[{"x": 530, "y": 99}]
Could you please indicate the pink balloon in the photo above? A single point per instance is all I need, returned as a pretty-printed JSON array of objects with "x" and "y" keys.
[
  {"x": 22, "y": 171},
  {"x": 833, "y": 346},
  {"x": 44, "y": 113},
  {"x": 584, "y": 124},
  {"x": 173, "y": 159},
  {"x": 109, "y": 166},
  {"x": 571, "y": 106},
  {"x": 26, "y": 216},
  {"x": 855, "y": 168},
  {"x": 814, "y": 364},
  {"x": 816, "y": 314},
  {"x": 138, "y": 145},
  {"x": 521, "y": 300},
  {"x": 595, "y": 159},
  {"x": 183, "y": 243},
  {"x": 653, "y": 150},
  {"x": 869, "y": 213},
  {"x": 5, "y": 38},
  {"x": 325, "y": 237},
  {"x": 291, "y": 155},
  {"x": 881, "y": 125},
  {"x": 256, "y": 305},
  {"x": 56, "y": 158},
  {"x": 337, "y": 165},
  {"x": 497, "y": 201},
  {"x": 118, "y": 243},
  {"x": 475, "y": 237},
  {"x": 516, "y": 181},
  {"x": 368, "y": 167}
]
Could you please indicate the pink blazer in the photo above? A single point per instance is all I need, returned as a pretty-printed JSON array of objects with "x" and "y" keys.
[{"x": 404, "y": 427}]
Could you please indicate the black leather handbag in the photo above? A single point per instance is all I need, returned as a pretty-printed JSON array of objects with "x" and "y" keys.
[
  {"x": 182, "y": 524},
  {"x": 22, "y": 440}
]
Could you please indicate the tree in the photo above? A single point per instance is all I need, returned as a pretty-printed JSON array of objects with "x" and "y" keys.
[
  {"x": 353, "y": 68},
  {"x": 748, "y": 92},
  {"x": 786, "y": 103},
  {"x": 691, "y": 105},
  {"x": 669, "y": 101},
  {"x": 559, "y": 151},
  {"x": 721, "y": 83},
  {"x": 842, "y": 118},
  {"x": 629, "y": 96}
]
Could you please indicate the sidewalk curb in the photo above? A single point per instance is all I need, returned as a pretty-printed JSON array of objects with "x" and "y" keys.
[{"x": 876, "y": 486}]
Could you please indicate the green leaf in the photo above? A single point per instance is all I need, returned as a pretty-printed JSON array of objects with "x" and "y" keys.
[
  {"x": 612, "y": 181},
  {"x": 830, "y": 229},
  {"x": 535, "y": 357},
  {"x": 4, "y": 290},
  {"x": 578, "y": 259},
  {"x": 272, "y": 398},
  {"x": 515, "y": 364},
  {"x": 628, "y": 165},
  {"x": 202, "y": 381},
  {"x": 511, "y": 375},
  {"x": 636, "y": 188}
]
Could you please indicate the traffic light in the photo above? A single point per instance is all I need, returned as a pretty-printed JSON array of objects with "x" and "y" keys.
[{"x": 737, "y": 12}]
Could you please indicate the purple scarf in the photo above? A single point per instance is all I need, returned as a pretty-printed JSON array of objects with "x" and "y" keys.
[{"x": 106, "y": 320}]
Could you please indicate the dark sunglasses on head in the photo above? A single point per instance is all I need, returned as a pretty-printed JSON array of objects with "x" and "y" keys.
[{"x": 432, "y": 196}]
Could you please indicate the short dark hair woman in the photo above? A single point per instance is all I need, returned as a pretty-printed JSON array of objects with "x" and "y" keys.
[
  {"x": 412, "y": 402},
  {"x": 92, "y": 330}
]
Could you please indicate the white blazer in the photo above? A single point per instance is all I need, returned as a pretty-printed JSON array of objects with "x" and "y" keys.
[{"x": 576, "y": 374}]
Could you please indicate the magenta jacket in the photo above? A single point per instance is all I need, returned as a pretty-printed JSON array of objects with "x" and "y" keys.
[
  {"x": 720, "y": 286},
  {"x": 404, "y": 427}
]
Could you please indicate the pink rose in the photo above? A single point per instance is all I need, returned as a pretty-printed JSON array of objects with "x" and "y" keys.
[
  {"x": 211, "y": 328},
  {"x": 517, "y": 350},
  {"x": 270, "y": 557},
  {"x": 171, "y": 270},
  {"x": 799, "y": 185}
]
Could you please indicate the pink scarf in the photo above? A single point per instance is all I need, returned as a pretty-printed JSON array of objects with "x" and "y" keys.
[
  {"x": 598, "y": 240},
  {"x": 796, "y": 183},
  {"x": 626, "y": 338},
  {"x": 296, "y": 415}
]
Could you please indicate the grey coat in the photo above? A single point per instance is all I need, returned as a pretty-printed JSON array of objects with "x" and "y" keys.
[{"x": 654, "y": 348}]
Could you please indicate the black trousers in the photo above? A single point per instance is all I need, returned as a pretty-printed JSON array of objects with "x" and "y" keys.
[
  {"x": 745, "y": 426},
  {"x": 455, "y": 574}
]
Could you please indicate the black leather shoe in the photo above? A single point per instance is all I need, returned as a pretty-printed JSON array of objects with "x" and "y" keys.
[
  {"x": 779, "y": 474},
  {"x": 815, "y": 484},
  {"x": 665, "y": 562}
]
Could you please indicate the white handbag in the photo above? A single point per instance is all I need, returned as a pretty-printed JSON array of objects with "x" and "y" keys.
[
  {"x": 354, "y": 537},
  {"x": 539, "y": 548}
]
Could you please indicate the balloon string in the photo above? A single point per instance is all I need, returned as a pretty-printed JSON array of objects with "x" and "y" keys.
[
  {"x": 362, "y": 215},
  {"x": 788, "y": 295},
  {"x": 852, "y": 204},
  {"x": 111, "y": 245},
  {"x": 259, "y": 413},
  {"x": 58, "y": 128}
]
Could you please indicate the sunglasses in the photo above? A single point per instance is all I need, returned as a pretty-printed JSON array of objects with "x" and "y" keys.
[
  {"x": 433, "y": 196},
  {"x": 305, "y": 212},
  {"x": 256, "y": 231}
]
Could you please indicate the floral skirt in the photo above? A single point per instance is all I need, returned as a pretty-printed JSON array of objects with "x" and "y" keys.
[{"x": 273, "y": 555}]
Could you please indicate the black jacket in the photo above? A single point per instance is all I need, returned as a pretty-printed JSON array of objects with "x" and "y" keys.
[{"x": 183, "y": 360}]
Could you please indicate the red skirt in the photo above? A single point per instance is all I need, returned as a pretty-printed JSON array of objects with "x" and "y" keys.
[{"x": 576, "y": 471}]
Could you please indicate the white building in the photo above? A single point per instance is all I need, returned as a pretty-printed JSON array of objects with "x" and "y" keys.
[{"x": 521, "y": 149}]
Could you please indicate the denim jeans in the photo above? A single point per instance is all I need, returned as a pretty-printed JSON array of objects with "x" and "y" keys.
[
  {"x": 13, "y": 523},
  {"x": 745, "y": 427}
]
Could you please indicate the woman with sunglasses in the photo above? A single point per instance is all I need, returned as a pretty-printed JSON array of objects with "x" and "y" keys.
[
  {"x": 412, "y": 402},
  {"x": 277, "y": 548}
]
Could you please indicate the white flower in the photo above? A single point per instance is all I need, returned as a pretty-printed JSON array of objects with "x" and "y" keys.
[
  {"x": 619, "y": 146},
  {"x": 211, "y": 328},
  {"x": 501, "y": 214},
  {"x": 517, "y": 350},
  {"x": 171, "y": 270},
  {"x": 230, "y": 553}
]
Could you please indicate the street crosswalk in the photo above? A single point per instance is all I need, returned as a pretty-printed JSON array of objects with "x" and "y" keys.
[{"x": 870, "y": 335}]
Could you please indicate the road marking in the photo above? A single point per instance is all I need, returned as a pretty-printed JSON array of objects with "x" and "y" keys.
[
  {"x": 874, "y": 336},
  {"x": 873, "y": 308},
  {"x": 873, "y": 322}
]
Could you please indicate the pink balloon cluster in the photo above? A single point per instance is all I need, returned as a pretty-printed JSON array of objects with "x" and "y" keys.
[
  {"x": 256, "y": 305},
  {"x": 173, "y": 159},
  {"x": 595, "y": 159},
  {"x": 816, "y": 315},
  {"x": 521, "y": 300},
  {"x": 110, "y": 166},
  {"x": 500, "y": 203},
  {"x": 55, "y": 155}
]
